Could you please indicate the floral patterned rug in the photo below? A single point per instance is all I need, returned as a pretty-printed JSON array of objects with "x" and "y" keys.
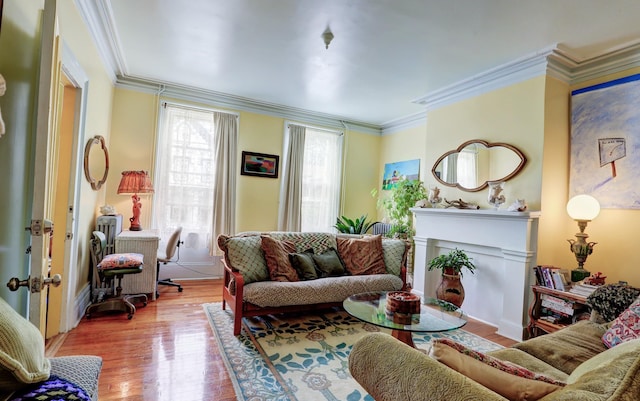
[{"x": 299, "y": 357}]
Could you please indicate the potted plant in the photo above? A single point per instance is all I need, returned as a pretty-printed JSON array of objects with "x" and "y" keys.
[
  {"x": 348, "y": 226},
  {"x": 451, "y": 266}
]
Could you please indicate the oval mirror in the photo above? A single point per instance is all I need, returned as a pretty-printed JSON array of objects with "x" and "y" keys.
[
  {"x": 96, "y": 162},
  {"x": 475, "y": 163}
]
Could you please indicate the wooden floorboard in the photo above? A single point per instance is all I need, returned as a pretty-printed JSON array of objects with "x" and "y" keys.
[{"x": 167, "y": 351}]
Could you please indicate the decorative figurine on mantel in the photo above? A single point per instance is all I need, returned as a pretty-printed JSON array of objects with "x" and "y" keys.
[
  {"x": 434, "y": 196},
  {"x": 460, "y": 204},
  {"x": 518, "y": 206},
  {"x": 496, "y": 198}
]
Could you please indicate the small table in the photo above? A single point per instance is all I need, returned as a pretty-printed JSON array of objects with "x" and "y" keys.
[{"x": 435, "y": 315}]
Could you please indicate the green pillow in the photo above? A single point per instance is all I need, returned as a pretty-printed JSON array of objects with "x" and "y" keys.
[
  {"x": 329, "y": 264},
  {"x": 304, "y": 264},
  {"x": 22, "y": 359}
]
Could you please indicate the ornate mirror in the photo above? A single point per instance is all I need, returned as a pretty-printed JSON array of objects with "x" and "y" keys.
[
  {"x": 96, "y": 162},
  {"x": 475, "y": 163}
]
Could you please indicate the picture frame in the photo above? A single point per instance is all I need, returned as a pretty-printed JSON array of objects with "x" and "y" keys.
[{"x": 259, "y": 164}]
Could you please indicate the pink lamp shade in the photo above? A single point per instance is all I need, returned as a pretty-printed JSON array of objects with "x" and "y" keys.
[{"x": 134, "y": 183}]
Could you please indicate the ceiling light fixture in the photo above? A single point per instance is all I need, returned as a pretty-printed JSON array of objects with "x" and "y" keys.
[{"x": 327, "y": 36}]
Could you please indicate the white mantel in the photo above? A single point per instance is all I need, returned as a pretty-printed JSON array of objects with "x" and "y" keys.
[{"x": 503, "y": 246}]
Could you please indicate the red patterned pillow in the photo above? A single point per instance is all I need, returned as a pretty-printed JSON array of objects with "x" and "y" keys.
[
  {"x": 504, "y": 366},
  {"x": 625, "y": 327},
  {"x": 362, "y": 255},
  {"x": 120, "y": 261},
  {"x": 276, "y": 254}
]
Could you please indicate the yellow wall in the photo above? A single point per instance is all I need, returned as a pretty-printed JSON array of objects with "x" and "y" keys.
[
  {"x": 514, "y": 115},
  {"x": 407, "y": 144},
  {"x": 133, "y": 141}
]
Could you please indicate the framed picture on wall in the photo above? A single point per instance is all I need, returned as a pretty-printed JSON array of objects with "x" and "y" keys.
[{"x": 259, "y": 164}]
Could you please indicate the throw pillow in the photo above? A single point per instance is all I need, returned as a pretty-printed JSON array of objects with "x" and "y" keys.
[
  {"x": 243, "y": 253},
  {"x": 277, "y": 255},
  {"x": 607, "y": 363},
  {"x": 625, "y": 327},
  {"x": 329, "y": 264},
  {"x": 121, "y": 261},
  {"x": 514, "y": 383},
  {"x": 22, "y": 359},
  {"x": 53, "y": 389},
  {"x": 362, "y": 255},
  {"x": 304, "y": 264}
]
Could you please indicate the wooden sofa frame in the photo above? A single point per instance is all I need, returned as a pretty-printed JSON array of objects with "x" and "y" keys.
[{"x": 245, "y": 309}]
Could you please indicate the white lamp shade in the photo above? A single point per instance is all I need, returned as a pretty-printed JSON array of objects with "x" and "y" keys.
[{"x": 583, "y": 207}]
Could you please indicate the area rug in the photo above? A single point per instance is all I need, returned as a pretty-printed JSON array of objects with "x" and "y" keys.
[{"x": 300, "y": 357}]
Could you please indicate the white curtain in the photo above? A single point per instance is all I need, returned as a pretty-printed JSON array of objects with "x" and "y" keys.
[
  {"x": 183, "y": 178},
  {"x": 195, "y": 175},
  {"x": 321, "y": 180},
  {"x": 468, "y": 168},
  {"x": 224, "y": 188},
  {"x": 289, "y": 211}
]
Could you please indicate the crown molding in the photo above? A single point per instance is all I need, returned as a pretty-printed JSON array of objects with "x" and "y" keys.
[
  {"x": 404, "y": 123},
  {"x": 98, "y": 17},
  {"x": 227, "y": 101}
]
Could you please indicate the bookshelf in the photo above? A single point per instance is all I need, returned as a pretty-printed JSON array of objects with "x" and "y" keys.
[{"x": 553, "y": 310}]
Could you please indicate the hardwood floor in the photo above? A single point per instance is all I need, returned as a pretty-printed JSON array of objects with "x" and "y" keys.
[{"x": 167, "y": 351}]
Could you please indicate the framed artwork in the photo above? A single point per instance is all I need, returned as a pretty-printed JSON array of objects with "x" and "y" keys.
[
  {"x": 259, "y": 164},
  {"x": 393, "y": 172},
  {"x": 605, "y": 143}
]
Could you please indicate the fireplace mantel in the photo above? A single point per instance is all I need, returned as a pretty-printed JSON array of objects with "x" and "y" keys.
[{"x": 503, "y": 246}]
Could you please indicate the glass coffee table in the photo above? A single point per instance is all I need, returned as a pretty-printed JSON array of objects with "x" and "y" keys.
[{"x": 435, "y": 315}]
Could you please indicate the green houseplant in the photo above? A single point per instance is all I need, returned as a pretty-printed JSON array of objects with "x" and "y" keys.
[
  {"x": 451, "y": 266},
  {"x": 358, "y": 226},
  {"x": 397, "y": 205}
]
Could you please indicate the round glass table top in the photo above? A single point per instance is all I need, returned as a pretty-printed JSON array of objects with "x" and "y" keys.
[{"x": 435, "y": 315}]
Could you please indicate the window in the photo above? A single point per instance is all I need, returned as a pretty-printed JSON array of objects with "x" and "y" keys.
[
  {"x": 184, "y": 177},
  {"x": 321, "y": 180},
  {"x": 311, "y": 175}
]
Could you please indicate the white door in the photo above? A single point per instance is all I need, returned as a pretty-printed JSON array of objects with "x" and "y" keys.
[{"x": 45, "y": 170}]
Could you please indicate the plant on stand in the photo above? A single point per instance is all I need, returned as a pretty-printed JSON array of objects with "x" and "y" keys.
[{"x": 451, "y": 266}]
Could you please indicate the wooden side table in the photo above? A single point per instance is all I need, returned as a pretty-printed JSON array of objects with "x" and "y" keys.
[
  {"x": 570, "y": 306},
  {"x": 146, "y": 243}
]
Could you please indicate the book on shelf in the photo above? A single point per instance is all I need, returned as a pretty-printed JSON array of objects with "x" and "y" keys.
[{"x": 551, "y": 277}]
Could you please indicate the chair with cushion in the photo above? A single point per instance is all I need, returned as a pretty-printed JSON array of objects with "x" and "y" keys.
[
  {"x": 173, "y": 245},
  {"x": 108, "y": 271}
]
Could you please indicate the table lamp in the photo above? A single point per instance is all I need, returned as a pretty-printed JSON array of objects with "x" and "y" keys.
[
  {"x": 134, "y": 183},
  {"x": 583, "y": 209}
]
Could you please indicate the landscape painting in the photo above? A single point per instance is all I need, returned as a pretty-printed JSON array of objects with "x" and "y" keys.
[
  {"x": 393, "y": 172},
  {"x": 605, "y": 143}
]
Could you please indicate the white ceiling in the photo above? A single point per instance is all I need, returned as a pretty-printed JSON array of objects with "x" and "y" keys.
[{"x": 385, "y": 54}]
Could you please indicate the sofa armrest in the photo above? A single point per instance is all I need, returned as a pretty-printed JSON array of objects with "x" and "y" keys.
[{"x": 391, "y": 370}]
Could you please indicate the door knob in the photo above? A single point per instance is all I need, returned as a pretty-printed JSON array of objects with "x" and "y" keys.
[
  {"x": 35, "y": 284},
  {"x": 15, "y": 283}
]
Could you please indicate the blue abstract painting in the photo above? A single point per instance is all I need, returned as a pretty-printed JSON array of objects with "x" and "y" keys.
[
  {"x": 393, "y": 172},
  {"x": 605, "y": 143}
]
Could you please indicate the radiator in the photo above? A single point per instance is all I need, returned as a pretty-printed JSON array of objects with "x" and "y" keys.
[{"x": 111, "y": 226}]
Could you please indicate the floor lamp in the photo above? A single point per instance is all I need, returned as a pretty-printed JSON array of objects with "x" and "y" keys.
[{"x": 134, "y": 183}]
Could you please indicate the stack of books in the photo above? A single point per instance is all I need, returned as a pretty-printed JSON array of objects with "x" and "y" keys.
[{"x": 583, "y": 289}]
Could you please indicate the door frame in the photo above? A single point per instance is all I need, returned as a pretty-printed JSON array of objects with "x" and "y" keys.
[{"x": 72, "y": 307}]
